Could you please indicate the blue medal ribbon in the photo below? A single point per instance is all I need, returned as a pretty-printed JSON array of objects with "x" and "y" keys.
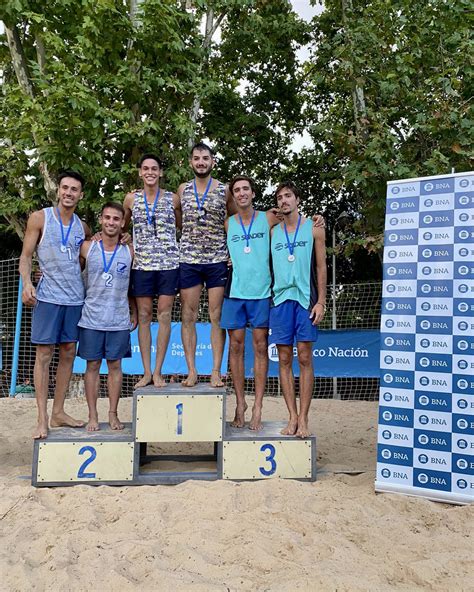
[
  {"x": 291, "y": 246},
  {"x": 151, "y": 218},
  {"x": 200, "y": 203},
  {"x": 108, "y": 265},
  {"x": 64, "y": 239},
  {"x": 247, "y": 234}
]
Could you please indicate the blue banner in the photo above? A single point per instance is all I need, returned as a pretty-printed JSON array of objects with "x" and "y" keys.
[
  {"x": 174, "y": 361},
  {"x": 335, "y": 353}
]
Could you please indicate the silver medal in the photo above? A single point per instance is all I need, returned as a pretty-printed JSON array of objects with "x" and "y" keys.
[
  {"x": 291, "y": 258},
  {"x": 106, "y": 276},
  {"x": 201, "y": 213},
  {"x": 63, "y": 249},
  {"x": 247, "y": 249}
]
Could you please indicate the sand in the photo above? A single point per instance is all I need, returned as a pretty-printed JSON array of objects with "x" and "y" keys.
[{"x": 335, "y": 534}]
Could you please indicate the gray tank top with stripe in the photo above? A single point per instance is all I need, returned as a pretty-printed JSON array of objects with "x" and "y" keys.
[
  {"x": 106, "y": 304},
  {"x": 61, "y": 280}
]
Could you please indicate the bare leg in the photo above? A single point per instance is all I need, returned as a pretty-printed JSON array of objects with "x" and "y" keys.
[
  {"x": 165, "y": 304},
  {"x": 189, "y": 313},
  {"x": 305, "y": 361},
  {"x": 91, "y": 382},
  {"x": 114, "y": 386},
  {"x": 285, "y": 356},
  {"x": 145, "y": 311},
  {"x": 216, "y": 297},
  {"x": 236, "y": 360},
  {"x": 44, "y": 353},
  {"x": 67, "y": 353},
  {"x": 260, "y": 348}
]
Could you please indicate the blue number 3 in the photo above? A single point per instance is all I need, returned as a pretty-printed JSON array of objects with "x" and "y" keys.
[
  {"x": 270, "y": 458},
  {"x": 86, "y": 463}
]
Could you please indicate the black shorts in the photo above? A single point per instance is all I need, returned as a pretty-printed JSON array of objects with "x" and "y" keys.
[{"x": 154, "y": 283}]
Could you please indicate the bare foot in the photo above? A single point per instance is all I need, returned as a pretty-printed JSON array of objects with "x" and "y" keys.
[
  {"x": 216, "y": 380},
  {"x": 114, "y": 422},
  {"x": 256, "y": 419},
  {"x": 303, "y": 429},
  {"x": 239, "y": 418},
  {"x": 190, "y": 380},
  {"x": 159, "y": 381},
  {"x": 291, "y": 428},
  {"x": 144, "y": 381},
  {"x": 59, "y": 420},
  {"x": 41, "y": 430},
  {"x": 93, "y": 424}
]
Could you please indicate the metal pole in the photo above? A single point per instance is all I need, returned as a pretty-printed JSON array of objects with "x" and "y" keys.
[
  {"x": 16, "y": 345},
  {"x": 335, "y": 394}
]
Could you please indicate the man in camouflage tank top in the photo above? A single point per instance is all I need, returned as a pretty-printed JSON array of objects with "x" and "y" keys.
[
  {"x": 205, "y": 203},
  {"x": 155, "y": 213}
]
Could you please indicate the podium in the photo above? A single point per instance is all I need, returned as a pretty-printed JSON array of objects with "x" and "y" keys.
[{"x": 177, "y": 433}]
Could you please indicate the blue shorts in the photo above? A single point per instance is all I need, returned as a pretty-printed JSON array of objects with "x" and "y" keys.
[
  {"x": 108, "y": 345},
  {"x": 290, "y": 322},
  {"x": 238, "y": 313},
  {"x": 211, "y": 275},
  {"x": 55, "y": 323},
  {"x": 154, "y": 283}
]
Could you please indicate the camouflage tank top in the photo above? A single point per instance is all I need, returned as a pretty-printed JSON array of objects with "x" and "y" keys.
[
  {"x": 203, "y": 238},
  {"x": 154, "y": 242}
]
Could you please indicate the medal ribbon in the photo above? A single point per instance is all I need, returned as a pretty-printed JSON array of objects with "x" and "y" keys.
[
  {"x": 107, "y": 266},
  {"x": 148, "y": 217},
  {"x": 200, "y": 203},
  {"x": 247, "y": 234},
  {"x": 64, "y": 239},
  {"x": 291, "y": 246}
]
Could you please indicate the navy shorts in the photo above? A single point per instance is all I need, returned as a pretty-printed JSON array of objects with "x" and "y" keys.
[
  {"x": 100, "y": 345},
  {"x": 154, "y": 283},
  {"x": 211, "y": 275},
  {"x": 238, "y": 313},
  {"x": 290, "y": 322},
  {"x": 55, "y": 323}
]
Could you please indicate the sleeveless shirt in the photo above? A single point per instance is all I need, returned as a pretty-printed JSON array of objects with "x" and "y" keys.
[
  {"x": 293, "y": 280},
  {"x": 106, "y": 304},
  {"x": 250, "y": 274},
  {"x": 203, "y": 239},
  {"x": 155, "y": 244},
  {"x": 61, "y": 280}
]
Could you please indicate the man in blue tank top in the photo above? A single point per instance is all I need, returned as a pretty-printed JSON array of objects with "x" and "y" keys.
[
  {"x": 299, "y": 297},
  {"x": 105, "y": 323},
  {"x": 56, "y": 234}
]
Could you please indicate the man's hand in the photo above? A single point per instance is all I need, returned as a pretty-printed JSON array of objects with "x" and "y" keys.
[
  {"x": 126, "y": 238},
  {"x": 28, "y": 295},
  {"x": 97, "y": 237},
  {"x": 276, "y": 212},
  {"x": 133, "y": 321},
  {"x": 317, "y": 313},
  {"x": 318, "y": 221}
]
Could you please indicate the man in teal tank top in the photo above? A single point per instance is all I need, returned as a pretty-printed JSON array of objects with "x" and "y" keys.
[{"x": 299, "y": 296}]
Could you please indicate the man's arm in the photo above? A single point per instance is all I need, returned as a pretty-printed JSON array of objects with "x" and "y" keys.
[
  {"x": 273, "y": 219},
  {"x": 178, "y": 212},
  {"x": 318, "y": 310},
  {"x": 31, "y": 240},
  {"x": 127, "y": 206},
  {"x": 87, "y": 231},
  {"x": 230, "y": 203}
]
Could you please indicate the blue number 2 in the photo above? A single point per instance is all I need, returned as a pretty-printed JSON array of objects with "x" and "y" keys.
[
  {"x": 270, "y": 458},
  {"x": 86, "y": 463},
  {"x": 179, "y": 427}
]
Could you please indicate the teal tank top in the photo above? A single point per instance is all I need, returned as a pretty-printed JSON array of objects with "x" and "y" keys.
[
  {"x": 250, "y": 277},
  {"x": 292, "y": 279}
]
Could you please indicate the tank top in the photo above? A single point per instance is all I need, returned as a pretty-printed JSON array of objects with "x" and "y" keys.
[
  {"x": 61, "y": 280},
  {"x": 250, "y": 273},
  {"x": 203, "y": 238},
  {"x": 106, "y": 304},
  {"x": 155, "y": 244},
  {"x": 294, "y": 280}
]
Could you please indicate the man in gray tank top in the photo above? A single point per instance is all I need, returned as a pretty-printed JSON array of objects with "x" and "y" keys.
[{"x": 56, "y": 234}]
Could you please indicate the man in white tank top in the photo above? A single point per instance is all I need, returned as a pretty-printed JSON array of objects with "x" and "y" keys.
[{"x": 57, "y": 234}]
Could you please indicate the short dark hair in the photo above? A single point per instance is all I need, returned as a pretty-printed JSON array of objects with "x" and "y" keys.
[
  {"x": 238, "y": 178},
  {"x": 202, "y": 146},
  {"x": 114, "y": 205},
  {"x": 288, "y": 185},
  {"x": 150, "y": 156},
  {"x": 68, "y": 173}
]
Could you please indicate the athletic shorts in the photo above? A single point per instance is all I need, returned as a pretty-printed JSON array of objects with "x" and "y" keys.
[
  {"x": 100, "y": 345},
  {"x": 55, "y": 323},
  {"x": 154, "y": 283},
  {"x": 211, "y": 275},
  {"x": 290, "y": 322},
  {"x": 238, "y": 313}
]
